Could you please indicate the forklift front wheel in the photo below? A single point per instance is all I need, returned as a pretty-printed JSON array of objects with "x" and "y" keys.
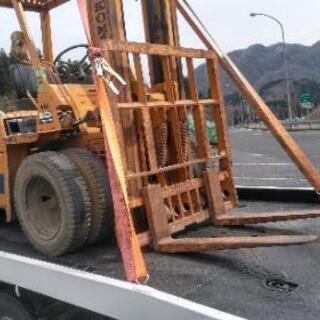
[
  {"x": 52, "y": 203},
  {"x": 94, "y": 172}
]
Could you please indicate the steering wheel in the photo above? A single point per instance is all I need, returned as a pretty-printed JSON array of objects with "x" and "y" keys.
[{"x": 73, "y": 70}]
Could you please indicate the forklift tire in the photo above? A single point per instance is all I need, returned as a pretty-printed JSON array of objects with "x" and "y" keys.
[
  {"x": 52, "y": 203},
  {"x": 94, "y": 172},
  {"x": 12, "y": 309}
]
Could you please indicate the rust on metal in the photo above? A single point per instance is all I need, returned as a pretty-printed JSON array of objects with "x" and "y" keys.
[
  {"x": 35, "y": 5},
  {"x": 226, "y": 243},
  {"x": 264, "y": 217}
]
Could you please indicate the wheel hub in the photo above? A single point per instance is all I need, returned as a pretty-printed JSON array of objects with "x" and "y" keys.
[{"x": 43, "y": 207}]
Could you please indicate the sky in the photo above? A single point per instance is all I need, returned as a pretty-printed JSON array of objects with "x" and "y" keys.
[{"x": 228, "y": 21}]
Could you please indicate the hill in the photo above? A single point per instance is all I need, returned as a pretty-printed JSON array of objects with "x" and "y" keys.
[{"x": 264, "y": 68}]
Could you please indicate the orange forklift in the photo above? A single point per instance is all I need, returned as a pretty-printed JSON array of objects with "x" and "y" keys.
[{"x": 80, "y": 160}]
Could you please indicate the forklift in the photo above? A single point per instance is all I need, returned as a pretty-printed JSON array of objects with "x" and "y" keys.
[{"x": 80, "y": 160}]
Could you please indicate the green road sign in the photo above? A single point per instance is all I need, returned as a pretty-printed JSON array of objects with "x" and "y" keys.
[{"x": 305, "y": 97}]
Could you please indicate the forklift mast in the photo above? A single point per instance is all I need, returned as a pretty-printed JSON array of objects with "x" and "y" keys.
[{"x": 173, "y": 184}]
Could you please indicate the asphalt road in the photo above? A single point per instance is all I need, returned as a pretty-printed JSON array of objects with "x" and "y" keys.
[
  {"x": 279, "y": 283},
  {"x": 260, "y": 161}
]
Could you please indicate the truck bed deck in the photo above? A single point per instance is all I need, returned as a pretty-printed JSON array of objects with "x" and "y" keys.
[{"x": 263, "y": 283}]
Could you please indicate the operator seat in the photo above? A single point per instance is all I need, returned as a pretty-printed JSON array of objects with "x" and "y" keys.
[
  {"x": 23, "y": 74},
  {"x": 24, "y": 79}
]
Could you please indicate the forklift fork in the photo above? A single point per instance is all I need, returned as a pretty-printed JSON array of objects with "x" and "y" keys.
[{"x": 161, "y": 231}]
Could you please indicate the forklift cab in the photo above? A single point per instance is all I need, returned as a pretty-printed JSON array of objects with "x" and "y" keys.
[
  {"x": 49, "y": 107},
  {"x": 23, "y": 74},
  {"x": 29, "y": 78}
]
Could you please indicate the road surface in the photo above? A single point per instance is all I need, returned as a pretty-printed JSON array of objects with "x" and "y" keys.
[{"x": 260, "y": 161}]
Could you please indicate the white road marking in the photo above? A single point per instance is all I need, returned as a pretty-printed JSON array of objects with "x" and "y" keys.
[
  {"x": 263, "y": 164},
  {"x": 279, "y": 179},
  {"x": 256, "y": 154}
]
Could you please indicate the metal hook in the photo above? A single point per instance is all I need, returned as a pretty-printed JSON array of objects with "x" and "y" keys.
[{"x": 105, "y": 71}]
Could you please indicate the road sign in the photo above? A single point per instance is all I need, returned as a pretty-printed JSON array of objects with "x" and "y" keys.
[
  {"x": 305, "y": 97},
  {"x": 307, "y": 105}
]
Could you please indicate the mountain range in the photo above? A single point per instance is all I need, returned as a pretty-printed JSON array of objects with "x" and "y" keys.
[{"x": 265, "y": 69}]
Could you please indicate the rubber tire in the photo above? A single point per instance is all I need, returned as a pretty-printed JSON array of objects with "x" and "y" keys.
[
  {"x": 11, "y": 308},
  {"x": 73, "y": 197},
  {"x": 94, "y": 172}
]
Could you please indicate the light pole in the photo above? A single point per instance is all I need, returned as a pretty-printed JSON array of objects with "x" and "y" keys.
[{"x": 285, "y": 58}]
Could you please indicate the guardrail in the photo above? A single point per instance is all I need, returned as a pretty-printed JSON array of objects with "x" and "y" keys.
[{"x": 296, "y": 125}]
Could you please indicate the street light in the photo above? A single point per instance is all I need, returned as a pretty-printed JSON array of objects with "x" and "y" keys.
[{"x": 254, "y": 14}]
